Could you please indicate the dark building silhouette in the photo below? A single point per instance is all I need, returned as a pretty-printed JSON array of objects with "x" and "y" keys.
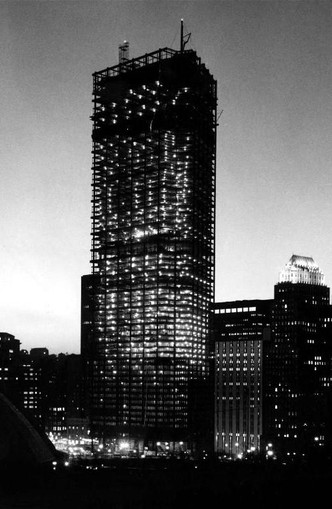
[
  {"x": 61, "y": 389},
  {"x": 18, "y": 379},
  {"x": 241, "y": 331},
  {"x": 87, "y": 289},
  {"x": 87, "y": 344},
  {"x": 9, "y": 353},
  {"x": 37, "y": 353},
  {"x": 76, "y": 420},
  {"x": 30, "y": 390},
  {"x": 297, "y": 364},
  {"x": 47, "y": 389},
  {"x": 154, "y": 149}
]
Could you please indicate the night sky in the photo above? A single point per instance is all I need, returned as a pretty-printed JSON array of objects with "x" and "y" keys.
[{"x": 272, "y": 61}]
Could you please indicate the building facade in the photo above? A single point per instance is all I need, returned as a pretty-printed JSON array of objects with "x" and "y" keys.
[
  {"x": 154, "y": 149},
  {"x": 60, "y": 384},
  {"x": 9, "y": 354},
  {"x": 297, "y": 364},
  {"x": 241, "y": 330},
  {"x": 30, "y": 390},
  {"x": 47, "y": 389}
]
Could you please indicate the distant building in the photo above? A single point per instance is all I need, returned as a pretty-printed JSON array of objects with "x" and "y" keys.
[
  {"x": 37, "y": 353},
  {"x": 87, "y": 343},
  {"x": 48, "y": 389},
  {"x": 241, "y": 329},
  {"x": 30, "y": 391},
  {"x": 297, "y": 363},
  {"x": 87, "y": 292},
  {"x": 9, "y": 347},
  {"x": 9, "y": 353},
  {"x": 154, "y": 150},
  {"x": 60, "y": 382},
  {"x": 18, "y": 379},
  {"x": 77, "y": 425}
]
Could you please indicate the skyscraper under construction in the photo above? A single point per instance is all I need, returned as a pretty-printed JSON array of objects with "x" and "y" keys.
[{"x": 153, "y": 212}]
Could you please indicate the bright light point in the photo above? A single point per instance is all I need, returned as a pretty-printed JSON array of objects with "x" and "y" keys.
[
  {"x": 270, "y": 453},
  {"x": 139, "y": 233},
  {"x": 123, "y": 446}
]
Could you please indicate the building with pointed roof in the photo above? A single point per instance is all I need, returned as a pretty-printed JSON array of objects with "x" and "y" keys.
[
  {"x": 301, "y": 269},
  {"x": 297, "y": 362}
]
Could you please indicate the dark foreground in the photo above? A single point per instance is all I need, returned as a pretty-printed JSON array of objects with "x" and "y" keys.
[{"x": 145, "y": 484}]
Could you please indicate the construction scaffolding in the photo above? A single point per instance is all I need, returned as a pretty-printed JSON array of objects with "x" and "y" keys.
[{"x": 153, "y": 216}]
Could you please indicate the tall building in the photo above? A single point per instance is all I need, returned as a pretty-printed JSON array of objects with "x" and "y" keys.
[
  {"x": 60, "y": 384},
  {"x": 29, "y": 387},
  {"x": 18, "y": 379},
  {"x": 241, "y": 331},
  {"x": 153, "y": 208},
  {"x": 9, "y": 353},
  {"x": 297, "y": 364}
]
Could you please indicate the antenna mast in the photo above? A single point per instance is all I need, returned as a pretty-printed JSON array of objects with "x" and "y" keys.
[{"x": 184, "y": 38}]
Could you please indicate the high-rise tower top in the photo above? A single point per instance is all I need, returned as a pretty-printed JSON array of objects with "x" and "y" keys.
[
  {"x": 156, "y": 57},
  {"x": 302, "y": 269}
]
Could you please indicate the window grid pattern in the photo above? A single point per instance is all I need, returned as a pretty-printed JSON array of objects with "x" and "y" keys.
[{"x": 152, "y": 245}]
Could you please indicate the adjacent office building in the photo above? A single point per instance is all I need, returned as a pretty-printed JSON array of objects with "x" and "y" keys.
[
  {"x": 297, "y": 364},
  {"x": 273, "y": 381},
  {"x": 241, "y": 330},
  {"x": 148, "y": 299}
]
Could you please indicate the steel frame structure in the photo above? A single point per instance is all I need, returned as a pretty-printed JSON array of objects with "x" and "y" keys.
[{"x": 153, "y": 219}]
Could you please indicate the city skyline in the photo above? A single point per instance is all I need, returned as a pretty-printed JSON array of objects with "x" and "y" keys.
[{"x": 272, "y": 64}]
